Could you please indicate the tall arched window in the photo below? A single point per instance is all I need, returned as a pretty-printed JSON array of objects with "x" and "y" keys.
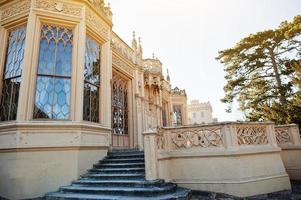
[
  {"x": 54, "y": 73},
  {"x": 92, "y": 81},
  {"x": 12, "y": 74}
]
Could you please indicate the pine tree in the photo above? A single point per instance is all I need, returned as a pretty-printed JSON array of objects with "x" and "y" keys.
[{"x": 263, "y": 74}]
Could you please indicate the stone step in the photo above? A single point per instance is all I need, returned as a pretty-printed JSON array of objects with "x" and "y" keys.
[
  {"x": 130, "y": 191},
  {"x": 121, "y": 160},
  {"x": 125, "y": 150},
  {"x": 179, "y": 194},
  {"x": 118, "y": 170},
  {"x": 119, "y": 183},
  {"x": 140, "y": 176},
  {"x": 128, "y": 155},
  {"x": 119, "y": 165}
]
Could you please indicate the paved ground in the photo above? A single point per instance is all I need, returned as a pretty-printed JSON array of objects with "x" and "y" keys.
[{"x": 295, "y": 194}]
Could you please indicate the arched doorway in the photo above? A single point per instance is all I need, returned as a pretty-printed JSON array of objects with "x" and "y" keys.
[{"x": 120, "y": 111}]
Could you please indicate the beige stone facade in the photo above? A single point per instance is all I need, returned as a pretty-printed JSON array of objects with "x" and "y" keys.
[
  {"x": 200, "y": 113},
  {"x": 72, "y": 89}
]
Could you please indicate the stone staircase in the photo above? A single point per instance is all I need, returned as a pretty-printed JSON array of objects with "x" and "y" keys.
[{"x": 120, "y": 175}]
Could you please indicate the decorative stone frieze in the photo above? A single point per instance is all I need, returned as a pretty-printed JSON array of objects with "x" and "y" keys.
[
  {"x": 99, "y": 5},
  {"x": 282, "y": 135},
  {"x": 207, "y": 137},
  {"x": 122, "y": 48},
  {"x": 251, "y": 135},
  {"x": 95, "y": 22},
  {"x": 122, "y": 65},
  {"x": 57, "y": 6},
  {"x": 17, "y": 8}
]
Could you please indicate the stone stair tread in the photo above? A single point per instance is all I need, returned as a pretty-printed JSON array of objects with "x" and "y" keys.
[
  {"x": 121, "y": 175},
  {"x": 179, "y": 193},
  {"x": 123, "y": 159},
  {"x": 75, "y": 187},
  {"x": 119, "y": 181},
  {"x": 120, "y": 169},
  {"x": 119, "y": 164},
  {"x": 129, "y": 154}
]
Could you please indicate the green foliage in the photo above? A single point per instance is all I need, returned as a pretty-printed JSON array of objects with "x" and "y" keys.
[{"x": 263, "y": 73}]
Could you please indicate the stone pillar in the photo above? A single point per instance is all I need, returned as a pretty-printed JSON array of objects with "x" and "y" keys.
[
  {"x": 270, "y": 129},
  {"x": 294, "y": 132},
  {"x": 150, "y": 154},
  {"x": 78, "y": 98},
  {"x": 106, "y": 71},
  {"x": 3, "y": 43},
  {"x": 27, "y": 88}
]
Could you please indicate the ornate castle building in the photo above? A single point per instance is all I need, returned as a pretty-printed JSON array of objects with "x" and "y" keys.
[
  {"x": 71, "y": 86},
  {"x": 72, "y": 90}
]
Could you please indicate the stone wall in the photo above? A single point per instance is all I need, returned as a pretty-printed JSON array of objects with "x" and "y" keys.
[{"x": 241, "y": 159}]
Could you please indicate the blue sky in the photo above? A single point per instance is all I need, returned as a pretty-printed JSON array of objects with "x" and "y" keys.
[{"x": 187, "y": 34}]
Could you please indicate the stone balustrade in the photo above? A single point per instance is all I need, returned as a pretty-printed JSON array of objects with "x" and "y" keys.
[
  {"x": 219, "y": 135},
  {"x": 238, "y": 158},
  {"x": 288, "y": 138},
  {"x": 288, "y": 135}
]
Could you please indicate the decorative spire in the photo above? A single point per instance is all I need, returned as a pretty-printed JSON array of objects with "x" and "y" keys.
[
  {"x": 140, "y": 50},
  {"x": 134, "y": 42},
  {"x": 167, "y": 76}
]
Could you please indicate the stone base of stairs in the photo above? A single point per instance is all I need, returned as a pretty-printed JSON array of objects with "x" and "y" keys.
[{"x": 121, "y": 175}]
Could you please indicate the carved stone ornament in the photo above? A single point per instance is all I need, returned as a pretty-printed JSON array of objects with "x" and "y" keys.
[
  {"x": 55, "y": 6},
  {"x": 198, "y": 138},
  {"x": 122, "y": 65},
  {"x": 282, "y": 135},
  {"x": 251, "y": 135},
  {"x": 18, "y": 7},
  {"x": 95, "y": 22},
  {"x": 121, "y": 48}
]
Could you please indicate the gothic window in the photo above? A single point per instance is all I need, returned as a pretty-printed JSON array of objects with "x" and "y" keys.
[
  {"x": 92, "y": 81},
  {"x": 119, "y": 107},
  {"x": 12, "y": 74},
  {"x": 53, "y": 84},
  {"x": 177, "y": 115},
  {"x": 164, "y": 119}
]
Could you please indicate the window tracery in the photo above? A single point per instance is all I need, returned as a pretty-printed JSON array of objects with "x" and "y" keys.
[
  {"x": 53, "y": 86},
  {"x": 119, "y": 106}
]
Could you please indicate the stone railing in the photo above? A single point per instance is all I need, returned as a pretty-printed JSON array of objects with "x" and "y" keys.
[
  {"x": 217, "y": 137},
  {"x": 287, "y": 135}
]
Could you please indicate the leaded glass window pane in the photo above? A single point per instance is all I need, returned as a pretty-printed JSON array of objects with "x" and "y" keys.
[
  {"x": 12, "y": 74},
  {"x": 92, "y": 81},
  {"x": 54, "y": 73}
]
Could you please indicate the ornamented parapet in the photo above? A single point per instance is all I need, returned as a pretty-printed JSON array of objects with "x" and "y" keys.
[
  {"x": 177, "y": 91},
  {"x": 251, "y": 134},
  {"x": 122, "y": 48},
  {"x": 282, "y": 135},
  {"x": 216, "y": 135},
  {"x": 287, "y": 135},
  {"x": 204, "y": 137}
]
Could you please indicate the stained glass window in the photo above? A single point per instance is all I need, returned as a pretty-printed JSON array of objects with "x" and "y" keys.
[
  {"x": 119, "y": 106},
  {"x": 92, "y": 81},
  {"x": 52, "y": 99},
  {"x": 12, "y": 74}
]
